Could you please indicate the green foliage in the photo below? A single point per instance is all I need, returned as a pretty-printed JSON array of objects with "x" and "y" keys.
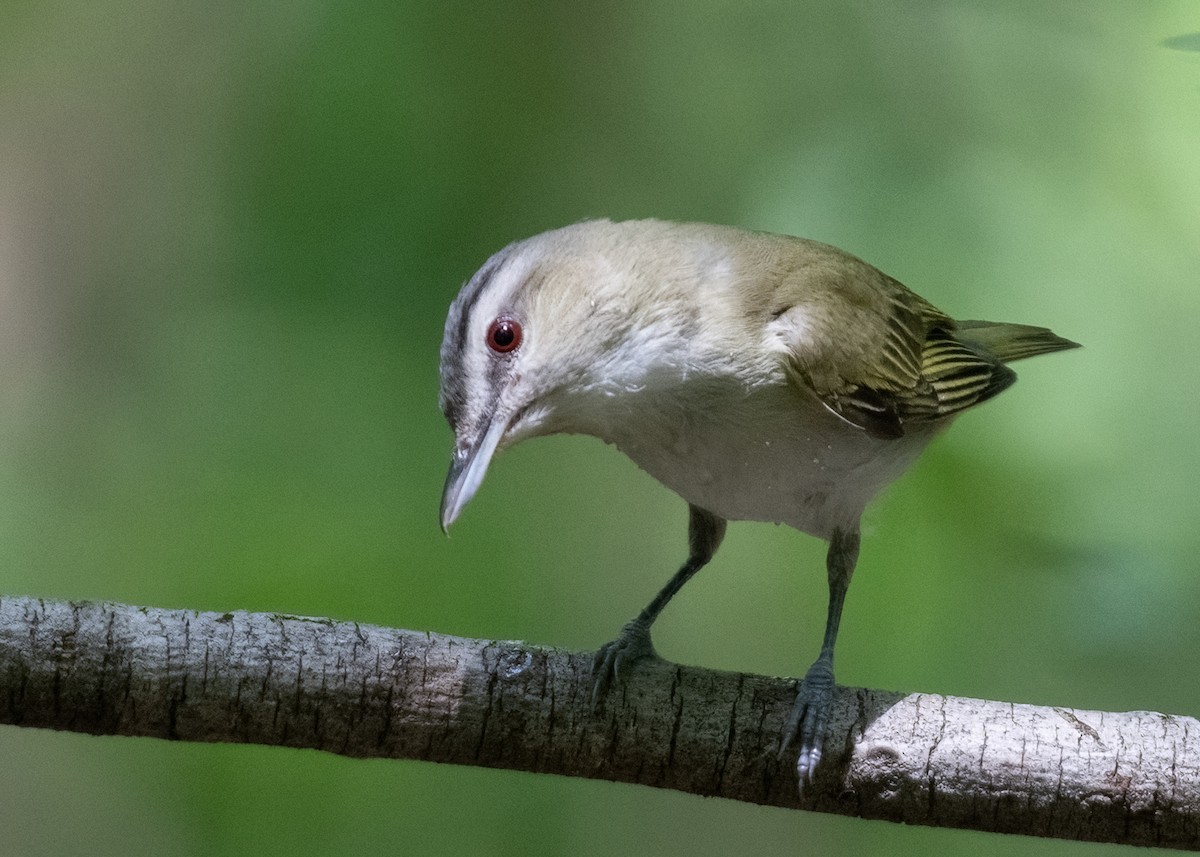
[{"x": 228, "y": 239}]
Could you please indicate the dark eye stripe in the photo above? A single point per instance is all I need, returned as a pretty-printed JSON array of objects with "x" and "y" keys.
[{"x": 470, "y": 293}]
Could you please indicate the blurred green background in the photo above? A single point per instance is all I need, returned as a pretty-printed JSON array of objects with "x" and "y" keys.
[{"x": 229, "y": 234}]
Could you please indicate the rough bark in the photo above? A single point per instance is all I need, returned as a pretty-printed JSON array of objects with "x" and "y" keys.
[{"x": 361, "y": 690}]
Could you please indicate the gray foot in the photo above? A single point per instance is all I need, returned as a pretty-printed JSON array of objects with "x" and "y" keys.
[
  {"x": 809, "y": 718},
  {"x": 632, "y": 644}
]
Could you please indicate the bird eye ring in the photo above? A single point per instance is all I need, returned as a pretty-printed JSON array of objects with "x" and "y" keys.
[{"x": 504, "y": 335}]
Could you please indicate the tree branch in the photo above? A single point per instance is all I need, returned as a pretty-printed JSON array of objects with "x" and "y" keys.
[{"x": 366, "y": 691}]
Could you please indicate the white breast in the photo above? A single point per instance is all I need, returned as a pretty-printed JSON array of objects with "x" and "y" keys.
[{"x": 766, "y": 455}]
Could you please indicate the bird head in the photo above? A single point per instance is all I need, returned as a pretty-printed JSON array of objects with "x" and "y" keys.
[
  {"x": 526, "y": 338},
  {"x": 592, "y": 329}
]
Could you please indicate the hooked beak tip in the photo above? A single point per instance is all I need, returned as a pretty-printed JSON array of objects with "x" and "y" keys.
[
  {"x": 450, "y": 496},
  {"x": 467, "y": 469},
  {"x": 444, "y": 522}
]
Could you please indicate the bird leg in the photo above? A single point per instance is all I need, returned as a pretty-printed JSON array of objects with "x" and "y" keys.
[
  {"x": 810, "y": 711},
  {"x": 705, "y": 531}
]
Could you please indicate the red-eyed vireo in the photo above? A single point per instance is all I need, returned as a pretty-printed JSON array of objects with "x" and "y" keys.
[{"x": 760, "y": 377}]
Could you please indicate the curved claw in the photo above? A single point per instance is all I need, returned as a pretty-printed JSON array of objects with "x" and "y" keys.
[
  {"x": 809, "y": 719},
  {"x": 632, "y": 644}
]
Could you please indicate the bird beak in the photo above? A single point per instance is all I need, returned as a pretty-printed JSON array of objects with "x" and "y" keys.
[{"x": 468, "y": 466}]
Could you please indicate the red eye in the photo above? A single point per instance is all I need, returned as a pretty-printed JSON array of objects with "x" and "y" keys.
[{"x": 504, "y": 335}]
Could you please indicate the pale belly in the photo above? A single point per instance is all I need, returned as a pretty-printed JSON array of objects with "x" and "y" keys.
[{"x": 770, "y": 457}]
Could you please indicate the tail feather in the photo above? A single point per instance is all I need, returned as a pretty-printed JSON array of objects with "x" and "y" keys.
[{"x": 1009, "y": 342}]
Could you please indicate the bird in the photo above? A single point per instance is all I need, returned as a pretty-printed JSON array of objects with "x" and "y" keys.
[{"x": 760, "y": 377}]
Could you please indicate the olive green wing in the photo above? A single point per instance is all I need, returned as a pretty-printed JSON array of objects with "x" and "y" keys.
[{"x": 885, "y": 358}]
